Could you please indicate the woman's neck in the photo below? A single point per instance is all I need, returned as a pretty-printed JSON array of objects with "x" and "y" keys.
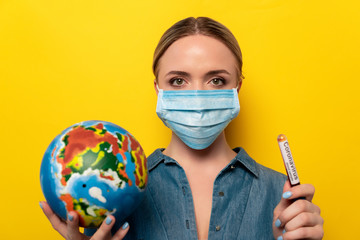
[{"x": 218, "y": 152}]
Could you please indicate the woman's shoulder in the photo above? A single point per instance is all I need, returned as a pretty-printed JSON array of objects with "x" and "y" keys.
[
  {"x": 261, "y": 172},
  {"x": 155, "y": 158},
  {"x": 271, "y": 176}
]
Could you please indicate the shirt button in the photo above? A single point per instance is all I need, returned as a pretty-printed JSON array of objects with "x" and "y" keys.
[
  {"x": 218, "y": 228},
  {"x": 232, "y": 166},
  {"x": 221, "y": 194}
]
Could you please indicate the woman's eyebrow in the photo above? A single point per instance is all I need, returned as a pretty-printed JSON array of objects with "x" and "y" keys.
[
  {"x": 215, "y": 72},
  {"x": 210, "y": 73},
  {"x": 180, "y": 73}
]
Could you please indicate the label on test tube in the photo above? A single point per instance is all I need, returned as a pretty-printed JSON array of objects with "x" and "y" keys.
[{"x": 288, "y": 160}]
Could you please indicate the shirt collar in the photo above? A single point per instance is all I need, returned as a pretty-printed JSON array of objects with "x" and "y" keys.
[
  {"x": 245, "y": 160},
  {"x": 242, "y": 157}
]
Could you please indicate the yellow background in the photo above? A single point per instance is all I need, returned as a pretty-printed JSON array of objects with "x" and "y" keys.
[{"x": 62, "y": 62}]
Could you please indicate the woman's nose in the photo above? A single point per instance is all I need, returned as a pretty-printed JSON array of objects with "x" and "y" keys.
[{"x": 198, "y": 85}]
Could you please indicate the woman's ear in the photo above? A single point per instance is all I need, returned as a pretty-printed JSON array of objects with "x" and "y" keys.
[
  {"x": 156, "y": 86},
  {"x": 239, "y": 86}
]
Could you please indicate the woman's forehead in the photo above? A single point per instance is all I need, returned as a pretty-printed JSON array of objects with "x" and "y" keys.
[{"x": 197, "y": 52}]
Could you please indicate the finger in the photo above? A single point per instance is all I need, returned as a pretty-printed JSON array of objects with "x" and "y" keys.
[
  {"x": 313, "y": 233},
  {"x": 284, "y": 203},
  {"x": 120, "y": 234},
  {"x": 295, "y": 209},
  {"x": 304, "y": 219},
  {"x": 56, "y": 222},
  {"x": 104, "y": 231},
  {"x": 303, "y": 190},
  {"x": 73, "y": 227}
]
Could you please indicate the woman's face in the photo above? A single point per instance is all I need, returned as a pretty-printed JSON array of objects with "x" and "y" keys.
[{"x": 197, "y": 62}]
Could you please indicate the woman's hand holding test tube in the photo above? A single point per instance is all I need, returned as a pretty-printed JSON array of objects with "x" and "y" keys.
[{"x": 296, "y": 217}]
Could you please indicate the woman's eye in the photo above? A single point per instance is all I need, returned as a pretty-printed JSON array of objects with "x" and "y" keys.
[
  {"x": 177, "y": 81},
  {"x": 217, "y": 81}
]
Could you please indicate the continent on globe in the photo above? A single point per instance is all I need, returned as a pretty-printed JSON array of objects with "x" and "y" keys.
[{"x": 94, "y": 168}]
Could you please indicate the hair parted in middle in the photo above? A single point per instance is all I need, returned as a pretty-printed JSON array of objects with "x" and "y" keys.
[{"x": 202, "y": 26}]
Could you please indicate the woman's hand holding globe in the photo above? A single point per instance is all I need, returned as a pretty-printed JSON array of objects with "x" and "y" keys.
[
  {"x": 93, "y": 175},
  {"x": 70, "y": 229}
]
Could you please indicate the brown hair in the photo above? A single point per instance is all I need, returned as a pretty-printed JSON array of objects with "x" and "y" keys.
[{"x": 203, "y": 26}]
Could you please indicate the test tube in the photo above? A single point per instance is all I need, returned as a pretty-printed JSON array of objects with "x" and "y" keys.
[{"x": 288, "y": 160}]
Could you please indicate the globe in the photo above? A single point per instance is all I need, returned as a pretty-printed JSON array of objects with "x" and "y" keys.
[{"x": 94, "y": 168}]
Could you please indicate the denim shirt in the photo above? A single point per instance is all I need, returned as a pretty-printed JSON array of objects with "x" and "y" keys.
[{"x": 245, "y": 194}]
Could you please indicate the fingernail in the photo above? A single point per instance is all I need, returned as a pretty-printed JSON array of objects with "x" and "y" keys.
[
  {"x": 277, "y": 223},
  {"x": 125, "y": 226},
  {"x": 286, "y": 195},
  {"x": 41, "y": 205},
  {"x": 280, "y": 238},
  {"x": 284, "y": 231},
  {"x": 108, "y": 220},
  {"x": 70, "y": 217}
]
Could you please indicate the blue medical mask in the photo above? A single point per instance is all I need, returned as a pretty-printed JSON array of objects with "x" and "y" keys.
[{"x": 197, "y": 117}]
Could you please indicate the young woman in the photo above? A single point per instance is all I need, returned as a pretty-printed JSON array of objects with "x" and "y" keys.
[{"x": 200, "y": 188}]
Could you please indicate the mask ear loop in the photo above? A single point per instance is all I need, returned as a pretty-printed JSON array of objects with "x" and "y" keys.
[{"x": 157, "y": 86}]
